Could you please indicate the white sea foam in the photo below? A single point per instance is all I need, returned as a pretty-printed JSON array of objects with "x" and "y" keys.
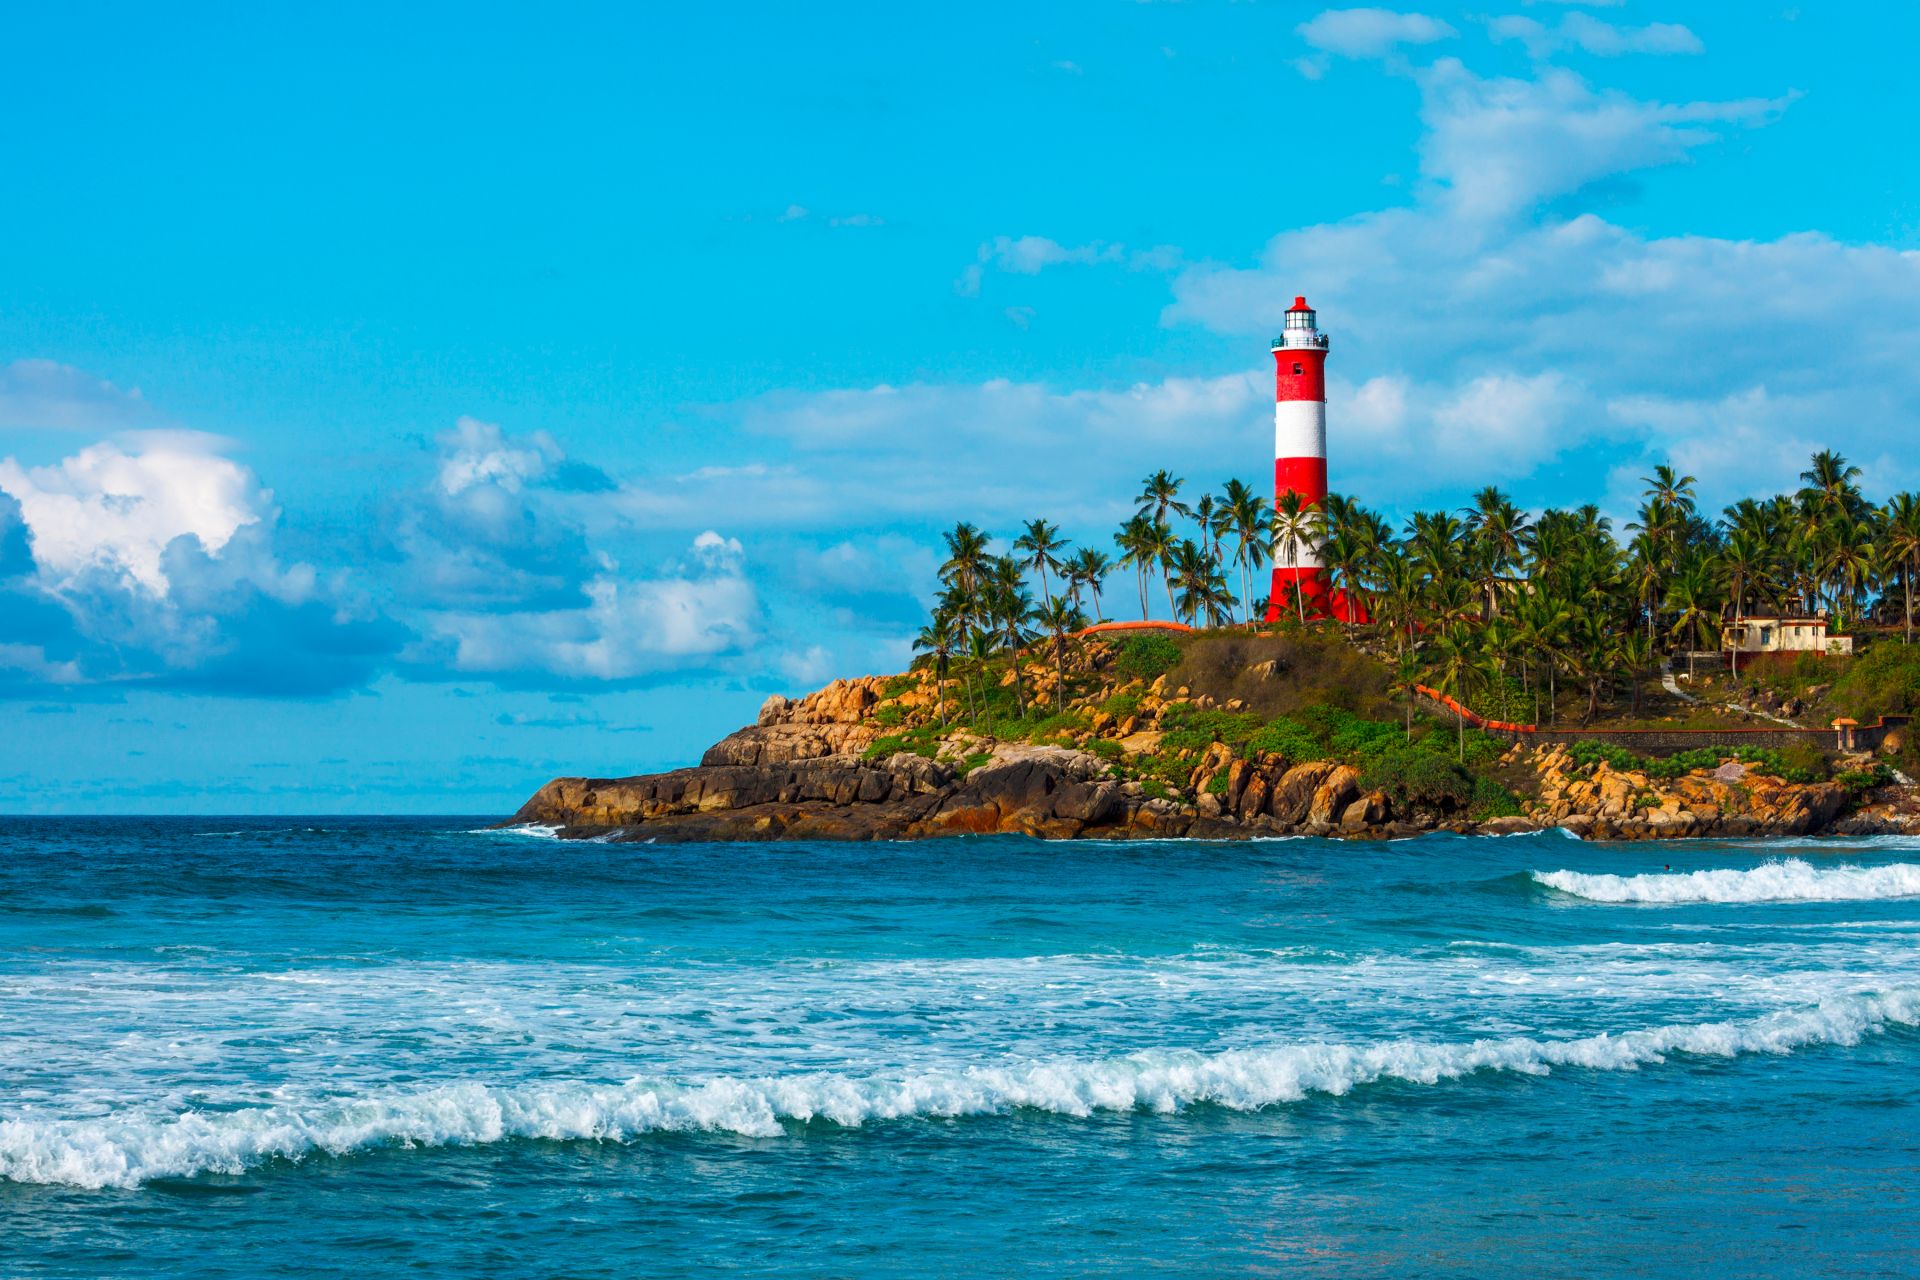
[
  {"x": 539, "y": 831},
  {"x": 1793, "y": 880},
  {"x": 125, "y": 1152}
]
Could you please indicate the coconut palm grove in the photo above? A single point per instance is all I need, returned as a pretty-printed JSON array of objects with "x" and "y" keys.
[{"x": 1503, "y": 608}]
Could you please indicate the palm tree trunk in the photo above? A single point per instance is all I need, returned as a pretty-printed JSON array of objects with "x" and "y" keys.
[{"x": 1906, "y": 582}]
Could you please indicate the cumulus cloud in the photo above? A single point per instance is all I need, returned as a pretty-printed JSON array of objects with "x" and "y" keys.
[
  {"x": 151, "y": 563},
  {"x": 1371, "y": 33},
  {"x": 628, "y": 628},
  {"x": 107, "y": 510},
  {"x": 47, "y": 394}
]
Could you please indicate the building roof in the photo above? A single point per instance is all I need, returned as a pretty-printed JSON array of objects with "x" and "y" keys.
[{"x": 1299, "y": 304}]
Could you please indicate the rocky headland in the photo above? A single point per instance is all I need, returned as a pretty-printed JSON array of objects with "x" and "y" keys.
[{"x": 1119, "y": 753}]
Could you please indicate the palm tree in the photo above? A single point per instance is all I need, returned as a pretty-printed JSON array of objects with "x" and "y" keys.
[
  {"x": 1206, "y": 514},
  {"x": 1011, "y": 608},
  {"x": 1058, "y": 620},
  {"x": 1668, "y": 486},
  {"x": 1042, "y": 545},
  {"x": 1158, "y": 548},
  {"x": 936, "y": 639},
  {"x": 1848, "y": 557},
  {"x": 1829, "y": 481},
  {"x": 1087, "y": 570},
  {"x": 1248, "y": 513},
  {"x": 1543, "y": 621},
  {"x": 1633, "y": 649},
  {"x": 1137, "y": 539},
  {"x": 1160, "y": 497},
  {"x": 1455, "y": 666},
  {"x": 1693, "y": 597},
  {"x": 1344, "y": 553},
  {"x": 1902, "y": 544},
  {"x": 1296, "y": 529},
  {"x": 980, "y": 650},
  {"x": 966, "y": 556},
  {"x": 1498, "y": 529},
  {"x": 1399, "y": 603}
]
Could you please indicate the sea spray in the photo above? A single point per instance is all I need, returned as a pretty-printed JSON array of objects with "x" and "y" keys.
[
  {"x": 127, "y": 1150},
  {"x": 1791, "y": 880}
]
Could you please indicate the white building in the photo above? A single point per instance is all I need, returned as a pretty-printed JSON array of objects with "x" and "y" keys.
[{"x": 1782, "y": 634}]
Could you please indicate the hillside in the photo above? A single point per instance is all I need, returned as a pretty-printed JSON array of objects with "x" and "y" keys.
[{"x": 1213, "y": 734}]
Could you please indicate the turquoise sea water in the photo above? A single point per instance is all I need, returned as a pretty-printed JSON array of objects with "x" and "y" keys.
[{"x": 240, "y": 1047}]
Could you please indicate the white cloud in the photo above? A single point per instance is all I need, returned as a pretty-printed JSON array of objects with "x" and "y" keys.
[
  {"x": 1030, "y": 255},
  {"x": 47, "y": 394},
  {"x": 1371, "y": 33},
  {"x": 1498, "y": 147},
  {"x": 106, "y": 510},
  {"x": 1589, "y": 34},
  {"x": 627, "y": 628},
  {"x": 478, "y": 453}
]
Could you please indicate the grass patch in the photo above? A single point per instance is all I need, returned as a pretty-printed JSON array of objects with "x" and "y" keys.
[
  {"x": 1802, "y": 762},
  {"x": 1146, "y": 656}
]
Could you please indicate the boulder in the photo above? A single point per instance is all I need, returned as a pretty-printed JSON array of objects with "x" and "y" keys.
[
  {"x": 1293, "y": 794},
  {"x": 1370, "y": 810},
  {"x": 1333, "y": 795}
]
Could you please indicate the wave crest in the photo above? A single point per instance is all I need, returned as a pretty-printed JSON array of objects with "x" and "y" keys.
[
  {"x": 125, "y": 1152},
  {"x": 1792, "y": 880}
]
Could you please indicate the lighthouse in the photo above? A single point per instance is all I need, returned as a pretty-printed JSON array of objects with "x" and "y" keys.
[{"x": 1299, "y": 456}]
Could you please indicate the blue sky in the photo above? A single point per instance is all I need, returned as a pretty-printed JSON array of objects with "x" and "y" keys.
[{"x": 399, "y": 408}]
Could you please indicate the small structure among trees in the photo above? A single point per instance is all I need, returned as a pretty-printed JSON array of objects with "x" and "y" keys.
[{"x": 1782, "y": 633}]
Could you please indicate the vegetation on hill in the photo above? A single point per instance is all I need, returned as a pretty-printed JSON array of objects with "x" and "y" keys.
[{"x": 1497, "y": 606}]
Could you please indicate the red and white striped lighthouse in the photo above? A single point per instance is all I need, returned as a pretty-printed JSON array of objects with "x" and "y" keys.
[{"x": 1299, "y": 454}]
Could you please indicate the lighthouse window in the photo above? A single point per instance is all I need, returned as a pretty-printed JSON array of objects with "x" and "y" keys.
[{"x": 1297, "y": 369}]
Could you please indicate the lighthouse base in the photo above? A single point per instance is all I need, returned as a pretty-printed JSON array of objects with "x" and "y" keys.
[{"x": 1316, "y": 601}]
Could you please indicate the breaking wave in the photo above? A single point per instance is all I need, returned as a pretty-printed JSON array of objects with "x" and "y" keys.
[
  {"x": 125, "y": 1152},
  {"x": 1793, "y": 880}
]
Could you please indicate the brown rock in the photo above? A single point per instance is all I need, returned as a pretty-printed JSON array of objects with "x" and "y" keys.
[
  {"x": 1293, "y": 794},
  {"x": 1369, "y": 810},
  {"x": 1333, "y": 795}
]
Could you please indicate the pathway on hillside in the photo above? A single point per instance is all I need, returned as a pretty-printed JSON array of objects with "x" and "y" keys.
[{"x": 1667, "y": 683}]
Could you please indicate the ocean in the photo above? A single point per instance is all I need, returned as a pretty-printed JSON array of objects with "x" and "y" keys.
[{"x": 234, "y": 1047}]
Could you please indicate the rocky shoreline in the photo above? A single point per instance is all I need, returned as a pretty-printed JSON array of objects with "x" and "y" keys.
[{"x": 802, "y": 773}]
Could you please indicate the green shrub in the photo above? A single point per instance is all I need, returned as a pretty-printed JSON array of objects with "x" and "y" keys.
[
  {"x": 1884, "y": 680},
  {"x": 1146, "y": 656},
  {"x": 1105, "y": 748},
  {"x": 1190, "y": 729},
  {"x": 1217, "y": 784},
  {"x": 1165, "y": 766},
  {"x": 898, "y": 685},
  {"x": 924, "y": 741},
  {"x": 1286, "y": 738},
  {"x": 1801, "y": 762},
  {"x": 1858, "y": 780},
  {"x": 889, "y": 715},
  {"x": 1491, "y": 800},
  {"x": 1122, "y": 705},
  {"x": 1061, "y": 724},
  {"x": 969, "y": 763},
  {"x": 1419, "y": 777},
  {"x": 1155, "y": 789}
]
